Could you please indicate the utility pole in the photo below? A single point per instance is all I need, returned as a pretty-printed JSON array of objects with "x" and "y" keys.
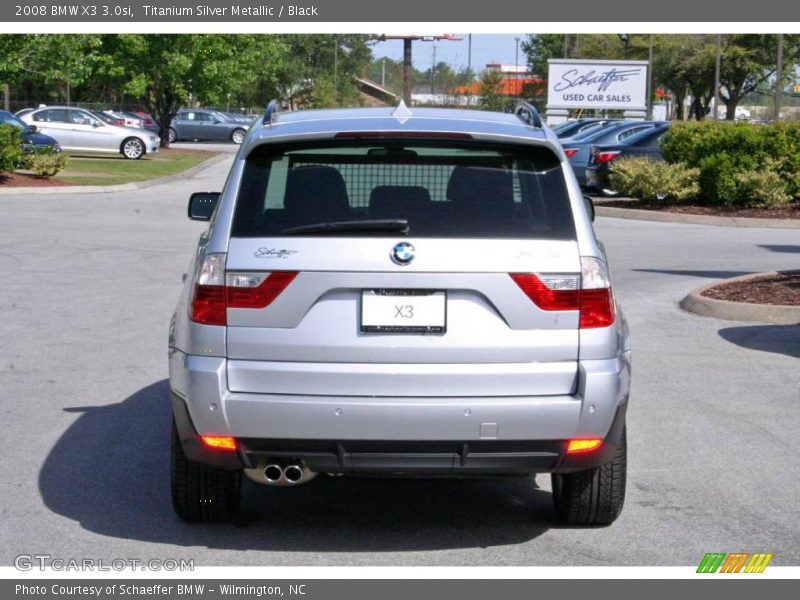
[
  {"x": 433, "y": 68},
  {"x": 516, "y": 56},
  {"x": 650, "y": 81},
  {"x": 336, "y": 66},
  {"x": 779, "y": 79},
  {"x": 716, "y": 77},
  {"x": 383, "y": 72},
  {"x": 469, "y": 70},
  {"x": 6, "y": 99},
  {"x": 566, "y": 45},
  {"x": 407, "y": 71}
]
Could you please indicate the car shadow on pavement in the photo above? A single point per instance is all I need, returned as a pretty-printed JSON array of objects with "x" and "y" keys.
[
  {"x": 791, "y": 248},
  {"x": 780, "y": 339},
  {"x": 110, "y": 472},
  {"x": 691, "y": 273}
]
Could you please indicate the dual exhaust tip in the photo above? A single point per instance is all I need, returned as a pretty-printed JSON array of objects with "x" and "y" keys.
[{"x": 291, "y": 474}]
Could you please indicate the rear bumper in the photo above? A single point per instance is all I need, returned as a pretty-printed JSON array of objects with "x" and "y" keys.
[{"x": 390, "y": 434}]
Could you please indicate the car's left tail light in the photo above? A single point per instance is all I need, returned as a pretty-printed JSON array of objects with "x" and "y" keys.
[{"x": 214, "y": 291}]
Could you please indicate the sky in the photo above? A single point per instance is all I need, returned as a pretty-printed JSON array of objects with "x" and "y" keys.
[{"x": 486, "y": 48}]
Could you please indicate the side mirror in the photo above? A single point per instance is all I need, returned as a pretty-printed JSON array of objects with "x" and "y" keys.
[
  {"x": 33, "y": 128},
  {"x": 589, "y": 204},
  {"x": 202, "y": 205}
]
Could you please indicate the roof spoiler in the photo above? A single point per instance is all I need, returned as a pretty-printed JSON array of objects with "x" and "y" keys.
[
  {"x": 270, "y": 112},
  {"x": 528, "y": 113}
]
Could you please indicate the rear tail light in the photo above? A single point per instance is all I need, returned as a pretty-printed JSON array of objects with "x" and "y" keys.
[
  {"x": 569, "y": 152},
  {"x": 597, "y": 303},
  {"x": 215, "y": 292},
  {"x": 590, "y": 293},
  {"x": 607, "y": 156},
  {"x": 584, "y": 445}
]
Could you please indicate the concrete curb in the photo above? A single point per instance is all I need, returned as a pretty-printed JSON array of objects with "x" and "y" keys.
[
  {"x": 698, "y": 304},
  {"x": 107, "y": 189},
  {"x": 667, "y": 217}
]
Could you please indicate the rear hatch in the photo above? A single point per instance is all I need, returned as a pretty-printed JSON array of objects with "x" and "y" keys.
[{"x": 386, "y": 267}]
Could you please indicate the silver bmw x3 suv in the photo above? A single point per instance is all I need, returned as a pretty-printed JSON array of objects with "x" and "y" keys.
[{"x": 401, "y": 293}]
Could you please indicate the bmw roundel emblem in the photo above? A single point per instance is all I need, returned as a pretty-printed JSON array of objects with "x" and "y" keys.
[{"x": 403, "y": 253}]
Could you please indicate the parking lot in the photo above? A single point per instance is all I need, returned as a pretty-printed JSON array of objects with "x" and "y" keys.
[{"x": 89, "y": 285}]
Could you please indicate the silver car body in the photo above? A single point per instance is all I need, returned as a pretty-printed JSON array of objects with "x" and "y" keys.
[
  {"x": 77, "y": 129},
  {"x": 302, "y": 371}
]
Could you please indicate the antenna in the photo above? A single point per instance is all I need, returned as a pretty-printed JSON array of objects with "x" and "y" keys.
[{"x": 271, "y": 109}]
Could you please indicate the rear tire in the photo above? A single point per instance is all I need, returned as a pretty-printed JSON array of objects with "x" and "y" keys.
[
  {"x": 172, "y": 135},
  {"x": 237, "y": 137},
  {"x": 594, "y": 496},
  {"x": 201, "y": 493},
  {"x": 133, "y": 148}
]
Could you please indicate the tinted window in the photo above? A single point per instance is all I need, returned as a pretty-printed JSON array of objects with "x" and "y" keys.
[
  {"x": 632, "y": 131},
  {"x": 80, "y": 117},
  {"x": 443, "y": 188},
  {"x": 9, "y": 119},
  {"x": 55, "y": 115}
]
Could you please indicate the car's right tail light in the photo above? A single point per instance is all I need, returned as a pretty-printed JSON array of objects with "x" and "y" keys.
[
  {"x": 215, "y": 291},
  {"x": 569, "y": 152},
  {"x": 606, "y": 156},
  {"x": 590, "y": 294}
]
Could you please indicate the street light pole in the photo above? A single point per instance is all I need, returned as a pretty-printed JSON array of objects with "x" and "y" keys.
[
  {"x": 650, "y": 81},
  {"x": 779, "y": 78},
  {"x": 716, "y": 77}
]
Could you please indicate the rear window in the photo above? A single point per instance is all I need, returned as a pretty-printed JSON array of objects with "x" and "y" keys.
[{"x": 443, "y": 188}]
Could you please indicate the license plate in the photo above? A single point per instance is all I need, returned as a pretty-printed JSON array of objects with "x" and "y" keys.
[{"x": 403, "y": 311}]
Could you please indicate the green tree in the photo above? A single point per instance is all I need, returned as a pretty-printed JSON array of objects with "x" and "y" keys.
[
  {"x": 491, "y": 91},
  {"x": 163, "y": 72}
]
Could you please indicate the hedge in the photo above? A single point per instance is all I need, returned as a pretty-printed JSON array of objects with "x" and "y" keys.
[
  {"x": 10, "y": 148},
  {"x": 729, "y": 154}
]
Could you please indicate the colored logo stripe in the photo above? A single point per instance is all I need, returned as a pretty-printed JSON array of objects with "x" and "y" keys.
[{"x": 734, "y": 563}]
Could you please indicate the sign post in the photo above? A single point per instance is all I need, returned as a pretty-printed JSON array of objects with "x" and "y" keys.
[{"x": 597, "y": 85}]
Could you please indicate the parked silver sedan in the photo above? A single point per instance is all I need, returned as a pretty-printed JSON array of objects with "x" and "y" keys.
[{"x": 78, "y": 129}]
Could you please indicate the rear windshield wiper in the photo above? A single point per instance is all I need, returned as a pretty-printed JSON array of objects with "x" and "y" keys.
[{"x": 367, "y": 226}]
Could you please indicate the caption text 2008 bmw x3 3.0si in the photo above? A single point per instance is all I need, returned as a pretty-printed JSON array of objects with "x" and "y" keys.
[{"x": 395, "y": 292}]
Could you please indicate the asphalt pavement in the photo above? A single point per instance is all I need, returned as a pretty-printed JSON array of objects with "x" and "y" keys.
[{"x": 88, "y": 286}]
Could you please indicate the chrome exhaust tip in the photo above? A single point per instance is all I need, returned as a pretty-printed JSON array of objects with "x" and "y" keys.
[
  {"x": 273, "y": 474},
  {"x": 293, "y": 474}
]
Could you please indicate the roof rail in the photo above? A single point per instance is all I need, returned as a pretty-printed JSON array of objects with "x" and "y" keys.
[
  {"x": 271, "y": 108},
  {"x": 528, "y": 113}
]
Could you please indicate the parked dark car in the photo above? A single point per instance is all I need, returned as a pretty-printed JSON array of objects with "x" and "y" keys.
[
  {"x": 148, "y": 122},
  {"x": 206, "y": 125},
  {"x": 643, "y": 143},
  {"x": 32, "y": 141},
  {"x": 569, "y": 129},
  {"x": 577, "y": 148}
]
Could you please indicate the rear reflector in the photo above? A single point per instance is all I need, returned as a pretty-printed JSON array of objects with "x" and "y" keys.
[
  {"x": 570, "y": 151},
  {"x": 589, "y": 293},
  {"x": 218, "y": 442},
  {"x": 579, "y": 446},
  {"x": 215, "y": 292}
]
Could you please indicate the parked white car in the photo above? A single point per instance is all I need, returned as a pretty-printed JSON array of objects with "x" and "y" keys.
[{"x": 77, "y": 129}]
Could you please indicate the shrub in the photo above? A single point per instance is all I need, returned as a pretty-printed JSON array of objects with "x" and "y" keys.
[
  {"x": 765, "y": 187},
  {"x": 10, "y": 148},
  {"x": 728, "y": 155},
  {"x": 649, "y": 179},
  {"x": 46, "y": 164}
]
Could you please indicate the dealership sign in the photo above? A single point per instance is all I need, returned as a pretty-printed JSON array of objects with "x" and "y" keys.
[{"x": 604, "y": 84}]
